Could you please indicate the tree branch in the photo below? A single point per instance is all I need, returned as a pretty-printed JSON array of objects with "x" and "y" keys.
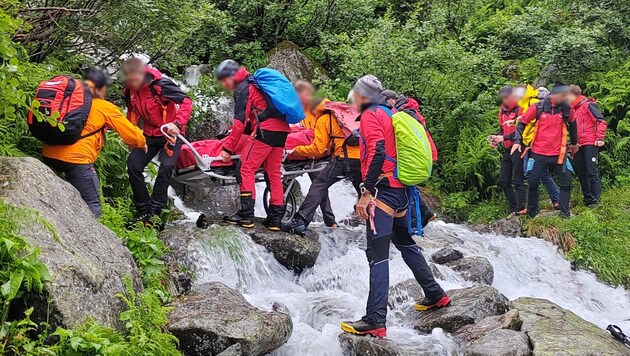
[{"x": 53, "y": 8}]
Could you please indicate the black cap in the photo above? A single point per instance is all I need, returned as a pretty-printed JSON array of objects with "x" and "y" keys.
[
  {"x": 506, "y": 90},
  {"x": 227, "y": 68},
  {"x": 97, "y": 76},
  {"x": 389, "y": 94}
]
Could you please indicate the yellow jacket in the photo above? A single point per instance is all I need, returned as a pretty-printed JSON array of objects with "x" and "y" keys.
[
  {"x": 530, "y": 98},
  {"x": 326, "y": 126},
  {"x": 103, "y": 114}
]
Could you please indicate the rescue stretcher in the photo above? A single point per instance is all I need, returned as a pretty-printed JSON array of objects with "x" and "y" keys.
[{"x": 213, "y": 168}]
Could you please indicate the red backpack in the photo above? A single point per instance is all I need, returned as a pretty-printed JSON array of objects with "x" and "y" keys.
[{"x": 72, "y": 100}]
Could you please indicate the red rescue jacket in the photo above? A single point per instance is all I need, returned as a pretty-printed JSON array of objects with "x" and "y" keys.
[
  {"x": 412, "y": 107},
  {"x": 590, "y": 121},
  {"x": 378, "y": 142},
  {"x": 254, "y": 115},
  {"x": 550, "y": 133},
  {"x": 159, "y": 101},
  {"x": 506, "y": 114}
]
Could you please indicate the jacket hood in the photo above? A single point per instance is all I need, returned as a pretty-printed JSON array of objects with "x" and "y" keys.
[
  {"x": 319, "y": 109},
  {"x": 241, "y": 74},
  {"x": 152, "y": 74},
  {"x": 579, "y": 100},
  {"x": 412, "y": 104}
]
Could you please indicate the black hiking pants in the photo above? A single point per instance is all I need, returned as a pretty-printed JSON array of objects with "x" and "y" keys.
[
  {"x": 537, "y": 167},
  {"x": 585, "y": 162},
  {"x": 84, "y": 178},
  {"x": 512, "y": 180},
  {"x": 137, "y": 162}
]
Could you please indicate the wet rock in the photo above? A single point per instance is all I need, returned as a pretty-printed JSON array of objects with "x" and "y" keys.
[
  {"x": 446, "y": 255},
  {"x": 209, "y": 198},
  {"x": 553, "y": 330},
  {"x": 474, "y": 269},
  {"x": 508, "y": 227},
  {"x": 294, "y": 64},
  {"x": 469, "y": 305},
  {"x": 234, "y": 350},
  {"x": 353, "y": 345},
  {"x": 292, "y": 251},
  {"x": 502, "y": 342},
  {"x": 403, "y": 292},
  {"x": 85, "y": 259},
  {"x": 473, "y": 332},
  {"x": 436, "y": 272},
  {"x": 215, "y": 317}
]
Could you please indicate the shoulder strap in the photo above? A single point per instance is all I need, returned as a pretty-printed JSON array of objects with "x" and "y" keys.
[{"x": 387, "y": 110}]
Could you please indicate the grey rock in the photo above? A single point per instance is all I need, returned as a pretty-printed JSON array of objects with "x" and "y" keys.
[
  {"x": 553, "y": 330},
  {"x": 215, "y": 317},
  {"x": 404, "y": 292},
  {"x": 294, "y": 64},
  {"x": 292, "y": 251},
  {"x": 234, "y": 350},
  {"x": 468, "y": 306},
  {"x": 468, "y": 334},
  {"x": 208, "y": 123},
  {"x": 501, "y": 342},
  {"x": 209, "y": 198},
  {"x": 446, "y": 255},
  {"x": 511, "y": 227},
  {"x": 474, "y": 269},
  {"x": 87, "y": 261},
  {"x": 436, "y": 272},
  {"x": 353, "y": 345}
]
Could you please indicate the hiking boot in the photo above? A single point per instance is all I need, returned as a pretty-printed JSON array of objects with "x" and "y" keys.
[
  {"x": 203, "y": 222},
  {"x": 362, "y": 327},
  {"x": 427, "y": 303},
  {"x": 145, "y": 218},
  {"x": 245, "y": 216},
  {"x": 333, "y": 225},
  {"x": 275, "y": 214},
  {"x": 297, "y": 226}
]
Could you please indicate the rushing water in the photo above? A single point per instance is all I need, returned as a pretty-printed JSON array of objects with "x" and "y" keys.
[{"x": 336, "y": 288}]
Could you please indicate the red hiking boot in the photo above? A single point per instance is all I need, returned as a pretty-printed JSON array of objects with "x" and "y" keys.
[
  {"x": 427, "y": 304},
  {"x": 362, "y": 327}
]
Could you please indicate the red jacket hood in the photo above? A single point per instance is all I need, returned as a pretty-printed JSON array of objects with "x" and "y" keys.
[
  {"x": 154, "y": 73},
  {"x": 412, "y": 104},
  {"x": 581, "y": 99},
  {"x": 241, "y": 74}
]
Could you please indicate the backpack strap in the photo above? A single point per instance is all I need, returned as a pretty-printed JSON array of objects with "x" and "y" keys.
[{"x": 158, "y": 96}]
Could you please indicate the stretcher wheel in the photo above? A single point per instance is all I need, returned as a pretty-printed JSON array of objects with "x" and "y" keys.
[{"x": 290, "y": 204}]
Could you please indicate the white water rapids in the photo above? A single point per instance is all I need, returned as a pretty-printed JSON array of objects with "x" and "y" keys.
[{"x": 336, "y": 288}]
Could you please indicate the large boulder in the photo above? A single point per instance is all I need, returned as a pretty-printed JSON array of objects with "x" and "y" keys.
[
  {"x": 404, "y": 292},
  {"x": 468, "y": 306},
  {"x": 87, "y": 262},
  {"x": 501, "y": 342},
  {"x": 553, "y": 330},
  {"x": 215, "y": 317},
  {"x": 292, "y": 251},
  {"x": 473, "y": 332},
  {"x": 474, "y": 269},
  {"x": 294, "y": 64},
  {"x": 215, "y": 115},
  {"x": 394, "y": 345},
  {"x": 353, "y": 345}
]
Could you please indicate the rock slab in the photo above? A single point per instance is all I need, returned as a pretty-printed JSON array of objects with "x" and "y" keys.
[
  {"x": 471, "y": 333},
  {"x": 87, "y": 261},
  {"x": 553, "y": 330},
  {"x": 214, "y": 318},
  {"x": 353, "y": 345},
  {"x": 502, "y": 342},
  {"x": 468, "y": 306}
]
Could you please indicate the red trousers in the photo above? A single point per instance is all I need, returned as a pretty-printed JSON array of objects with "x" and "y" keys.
[{"x": 256, "y": 154}]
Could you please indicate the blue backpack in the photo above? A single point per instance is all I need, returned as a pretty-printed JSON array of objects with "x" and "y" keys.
[{"x": 281, "y": 93}]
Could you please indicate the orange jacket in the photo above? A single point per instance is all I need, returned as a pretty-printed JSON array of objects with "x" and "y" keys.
[
  {"x": 311, "y": 116},
  {"x": 325, "y": 127},
  {"x": 103, "y": 114}
]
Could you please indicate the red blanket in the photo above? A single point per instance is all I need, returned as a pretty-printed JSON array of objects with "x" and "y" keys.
[{"x": 212, "y": 148}]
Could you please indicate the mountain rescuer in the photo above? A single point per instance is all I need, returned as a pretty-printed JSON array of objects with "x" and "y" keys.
[
  {"x": 511, "y": 174},
  {"x": 383, "y": 204},
  {"x": 329, "y": 137},
  {"x": 411, "y": 107},
  {"x": 549, "y": 145},
  {"x": 153, "y": 100},
  {"x": 76, "y": 161},
  {"x": 527, "y": 96},
  {"x": 254, "y": 115},
  {"x": 591, "y": 134},
  {"x": 313, "y": 111}
]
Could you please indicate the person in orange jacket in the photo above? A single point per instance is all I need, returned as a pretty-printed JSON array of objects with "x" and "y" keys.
[
  {"x": 313, "y": 111},
  {"x": 76, "y": 161},
  {"x": 329, "y": 138}
]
